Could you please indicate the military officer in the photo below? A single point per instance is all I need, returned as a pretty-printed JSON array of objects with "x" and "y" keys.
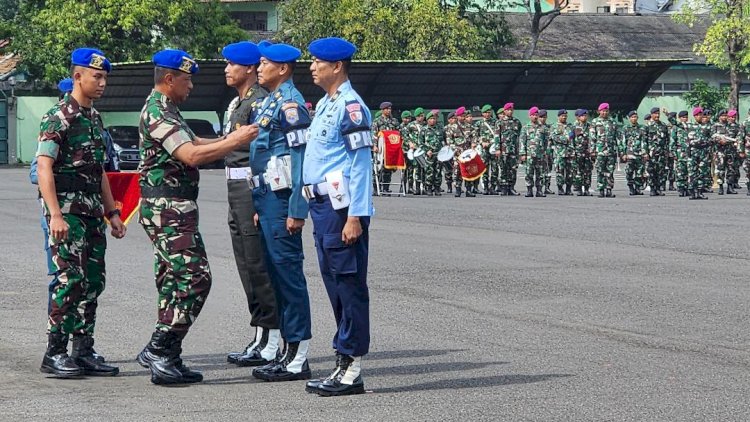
[
  {"x": 469, "y": 130},
  {"x": 562, "y": 147},
  {"x": 604, "y": 135},
  {"x": 338, "y": 171},
  {"x": 725, "y": 152},
  {"x": 413, "y": 129},
  {"x": 170, "y": 154},
  {"x": 743, "y": 147},
  {"x": 241, "y": 73},
  {"x": 679, "y": 149},
  {"x": 408, "y": 182},
  {"x": 76, "y": 197},
  {"x": 276, "y": 160},
  {"x": 634, "y": 152},
  {"x": 670, "y": 168},
  {"x": 448, "y": 165},
  {"x": 509, "y": 129},
  {"x": 735, "y": 132},
  {"x": 658, "y": 144},
  {"x": 386, "y": 121},
  {"x": 548, "y": 153},
  {"x": 533, "y": 144},
  {"x": 487, "y": 131},
  {"x": 699, "y": 151},
  {"x": 583, "y": 152},
  {"x": 456, "y": 137},
  {"x": 431, "y": 140}
]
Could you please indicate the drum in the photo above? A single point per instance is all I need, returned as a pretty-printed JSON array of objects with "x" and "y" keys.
[
  {"x": 445, "y": 154},
  {"x": 420, "y": 158},
  {"x": 471, "y": 165}
]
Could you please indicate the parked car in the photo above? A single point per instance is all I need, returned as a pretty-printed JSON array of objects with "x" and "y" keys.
[
  {"x": 204, "y": 129},
  {"x": 125, "y": 139}
]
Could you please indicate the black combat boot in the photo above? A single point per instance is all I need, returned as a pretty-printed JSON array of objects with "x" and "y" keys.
[
  {"x": 345, "y": 380},
  {"x": 493, "y": 192},
  {"x": 682, "y": 193},
  {"x": 512, "y": 192},
  {"x": 486, "y": 191},
  {"x": 609, "y": 194},
  {"x": 671, "y": 186},
  {"x": 730, "y": 190},
  {"x": 547, "y": 191},
  {"x": 503, "y": 190},
  {"x": 438, "y": 192},
  {"x": 631, "y": 190},
  {"x": 292, "y": 367},
  {"x": 529, "y": 192},
  {"x": 458, "y": 191},
  {"x": 188, "y": 375},
  {"x": 232, "y": 357},
  {"x": 579, "y": 192},
  {"x": 586, "y": 191},
  {"x": 568, "y": 191},
  {"x": 721, "y": 189},
  {"x": 653, "y": 192},
  {"x": 470, "y": 193},
  {"x": 83, "y": 355},
  {"x": 560, "y": 191},
  {"x": 159, "y": 356},
  {"x": 450, "y": 187},
  {"x": 601, "y": 193},
  {"x": 540, "y": 192},
  {"x": 263, "y": 350},
  {"x": 312, "y": 385},
  {"x": 56, "y": 360}
]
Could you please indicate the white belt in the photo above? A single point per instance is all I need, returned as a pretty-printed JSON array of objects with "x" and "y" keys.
[
  {"x": 321, "y": 189},
  {"x": 237, "y": 173}
]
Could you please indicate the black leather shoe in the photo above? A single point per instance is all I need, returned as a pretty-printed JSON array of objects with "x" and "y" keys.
[
  {"x": 653, "y": 192},
  {"x": 159, "y": 356},
  {"x": 601, "y": 193},
  {"x": 529, "y": 192},
  {"x": 721, "y": 189},
  {"x": 56, "y": 360},
  {"x": 83, "y": 355},
  {"x": 188, "y": 375},
  {"x": 233, "y": 357},
  {"x": 458, "y": 192},
  {"x": 280, "y": 371},
  {"x": 312, "y": 385},
  {"x": 609, "y": 193},
  {"x": 513, "y": 192},
  {"x": 470, "y": 193},
  {"x": 332, "y": 386}
]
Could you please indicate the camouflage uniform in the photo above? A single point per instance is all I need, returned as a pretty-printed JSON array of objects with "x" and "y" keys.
[
  {"x": 455, "y": 137},
  {"x": 183, "y": 277},
  {"x": 744, "y": 148},
  {"x": 533, "y": 143},
  {"x": 735, "y": 131},
  {"x": 431, "y": 139},
  {"x": 583, "y": 163},
  {"x": 72, "y": 136},
  {"x": 658, "y": 144},
  {"x": 726, "y": 153},
  {"x": 635, "y": 146},
  {"x": 549, "y": 159},
  {"x": 699, "y": 166},
  {"x": 562, "y": 146},
  {"x": 413, "y": 131},
  {"x": 671, "y": 161},
  {"x": 486, "y": 133},
  {"x": 408, "y": 181},
  {"x": 509, "y": 129},
  {"x": 471, "y": 134},
  {"x": 678, "y": 146},
  {"x": 448, "y": 165},
  {"x": 604, "y": 134},
  {"x": 380, "y": 124}
]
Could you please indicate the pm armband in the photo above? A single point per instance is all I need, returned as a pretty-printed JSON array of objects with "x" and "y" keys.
[
  {"x": 359, "y": 139},
  {"x": 355, "y": 127},
  {"x": 294, "y": 123}
]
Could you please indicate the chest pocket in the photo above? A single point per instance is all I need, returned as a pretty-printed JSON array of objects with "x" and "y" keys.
[{"x": 329, "y": 130}]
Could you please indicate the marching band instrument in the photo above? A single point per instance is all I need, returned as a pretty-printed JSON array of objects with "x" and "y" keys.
[
  {"x": 445, "y": 154},
  {"x": 420, "y": 158},
  {"x": 471, "y": 165}
]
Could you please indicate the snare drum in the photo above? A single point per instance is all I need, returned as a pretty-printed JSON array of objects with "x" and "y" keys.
[
  {"x": 420, "y": 158},
  {"x": 471, "y": 165},
  {"x": 445, "y": 154}
]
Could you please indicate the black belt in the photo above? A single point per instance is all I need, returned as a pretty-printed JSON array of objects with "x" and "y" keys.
[
  {"x": 72, "y": 183},
  {"x": 180, "y": 192}
]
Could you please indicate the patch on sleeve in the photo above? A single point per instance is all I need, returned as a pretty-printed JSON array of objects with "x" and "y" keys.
[
  {"x": 355, "y": 126},
  {"x": 294, "y": 123}
]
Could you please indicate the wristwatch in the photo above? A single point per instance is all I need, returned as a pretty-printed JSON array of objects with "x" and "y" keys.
[{"x": 114, "y": 212}]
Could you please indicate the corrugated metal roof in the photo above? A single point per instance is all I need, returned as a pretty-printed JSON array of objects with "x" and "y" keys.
[
  {"x": 551, "y": 83},
  {"x": 8, "y": 63}
]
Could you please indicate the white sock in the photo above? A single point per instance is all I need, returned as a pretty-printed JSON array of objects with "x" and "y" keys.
[
  {"x": 295, "y": 366},
  {"x": 272, "y": 346},
  {"x": 258, "y": 335},
  {"x": 353, "y": 371}
]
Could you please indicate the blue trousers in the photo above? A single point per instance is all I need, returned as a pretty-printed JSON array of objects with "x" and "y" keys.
[
  {"x": 344, "y": 271},
  {"x": 283, "y": 253},
  {"x": 50, "y": 267}
]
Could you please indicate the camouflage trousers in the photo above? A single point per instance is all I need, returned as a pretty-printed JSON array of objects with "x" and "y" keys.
[
  {"x": 605, "y": 171},
  {"x": 408, "y": 181},
  {"x": 182, "y": 273},
  {"x": 699, "y": 169},
  {"x": 549, "y": 164},
  {"x": 725, "y": 166},
  {"x": 584, "y": 166},
  {"x": 78, "y": 262},
  {"x": 490, "y": 178},
  {"x": 681, "y": 172},
  {"x": 565, "y": 169},
  {"x": 635, "y": 172},
  {"x": 448, "y": 171},
  {"x": 670, "y": 169},
  {"x": 433, "y": 173},
  {"x": 746, "y": 166},
  {"x": 534, "y": 172},
  {"x": 459, "y": 180},
  {"x": 508, "y": 164},
  {"x": 657, "y": 175}
]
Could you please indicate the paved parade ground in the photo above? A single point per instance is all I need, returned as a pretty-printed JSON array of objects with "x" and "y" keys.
[{"x": 486, "y": 308}]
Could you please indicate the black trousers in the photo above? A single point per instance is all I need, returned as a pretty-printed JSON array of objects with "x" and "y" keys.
[{"x": 248, "y": 253}]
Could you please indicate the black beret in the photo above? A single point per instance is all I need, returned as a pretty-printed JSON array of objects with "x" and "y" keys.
[{"x": 683, "y": 113}]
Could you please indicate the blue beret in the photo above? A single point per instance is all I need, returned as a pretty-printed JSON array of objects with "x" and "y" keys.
[
  {"x": 385, "y": 104},
  {"x": 655, "y": 110},
  {"x": 332, "y": 49},
  {"x": 177, "y": 60},
  {"x": 65, "y": 85},
  {"x": 683, "y": 113},
  {"x": 279, "y": 53},
  {"x": 581, "y": 112},
  {"x": 243, "y": 53},
  {"x": 632, "y": 113},
  {"x": 91, "y": 58},
  {"x": 562, "y": 111},
  {"x": 265, "y": 43}
]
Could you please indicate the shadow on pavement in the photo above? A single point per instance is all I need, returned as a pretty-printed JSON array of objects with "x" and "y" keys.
[{"x": 457, "y": 384}]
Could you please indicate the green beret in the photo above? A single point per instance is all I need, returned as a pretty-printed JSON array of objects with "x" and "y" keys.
[
  {"x": 431, "y": 114},
  {"x": 406, "y": 113},
  {"x": 486, "y": 108},
  {"x": 418, "y": 111}
]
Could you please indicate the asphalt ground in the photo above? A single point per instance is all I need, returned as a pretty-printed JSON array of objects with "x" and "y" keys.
[{"x": 487, "y": 308}]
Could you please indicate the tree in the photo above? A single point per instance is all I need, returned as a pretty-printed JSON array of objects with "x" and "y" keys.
[
  {"x": 385, "y": 29},
  {"x": 489, "y": 20},
  {"x": 704, "y": 95},
  {"x": 126, "y": 30},
  {"x": 8, "y": 12},
  {"x": 727, "y": 41},
  {"x": 539, "y": 20}
]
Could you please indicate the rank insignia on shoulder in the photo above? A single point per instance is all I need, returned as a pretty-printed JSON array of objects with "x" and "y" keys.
[{"x": 264, "y": 121}]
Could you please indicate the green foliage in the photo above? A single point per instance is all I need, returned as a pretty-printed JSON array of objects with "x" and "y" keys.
[
  {"x": 392, "y": 30},
  {"x": 706, "y": 96},
  {"x": 126, "y": 30}
]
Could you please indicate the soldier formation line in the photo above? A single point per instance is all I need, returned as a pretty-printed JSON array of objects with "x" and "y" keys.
[{"x": 677, "y": 155}]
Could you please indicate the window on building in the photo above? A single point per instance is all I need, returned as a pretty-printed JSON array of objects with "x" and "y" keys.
[
  {"x": 622, "y": 10},
  {"x": 602, "y": 9},
  {"x": 251, "y": 21},
  {"x": 659, "y": 89}
]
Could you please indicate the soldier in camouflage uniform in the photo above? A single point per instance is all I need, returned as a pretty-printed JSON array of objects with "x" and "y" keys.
[
  {"x": 736, "y": 132},
  {"x": 170, "y": 153},
  {"x": 509, "y": 129},
  {"x": 699, "y": 151},
  {"x": 726, "y": 151},
  {"x": 470, "y": 129},
  {"x": 448, "y": 165},
  {"x": 669, "y": 168},
  {"x": 583, "y": 158},
  {"x": 456, "y": 136},
  {"x": 408, "y": 183},
  {"x": 533, "y": 145},
  {"x": 678, "y": 147},
  {"x": 77, "y": 197},
  {"x": 487, "y": 133},
  {"x": 562, "y": 147},
  {"x": 605, "y": 135},
  {"x": 431, "y": 140},
  {"x": 658, "y": 144},
  {"x": 385, "y": 122},
  {"x": 413, "y": 130},
  {"x": 634, "y": 151},
  {"x": 743, "y": 148}
]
